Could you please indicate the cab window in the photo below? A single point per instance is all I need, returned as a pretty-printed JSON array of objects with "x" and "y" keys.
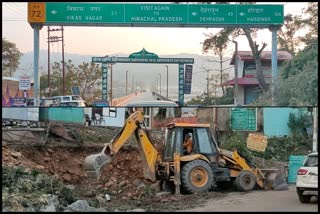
[
  {"x": 204, "y": 143},
  {"x": 169, "y": 146}
]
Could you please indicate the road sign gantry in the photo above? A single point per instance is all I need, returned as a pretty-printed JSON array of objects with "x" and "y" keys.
[{"x": 150, "y": 15}]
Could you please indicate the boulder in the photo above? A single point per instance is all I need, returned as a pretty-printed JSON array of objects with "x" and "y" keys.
[{"x": 80, "y": 206}]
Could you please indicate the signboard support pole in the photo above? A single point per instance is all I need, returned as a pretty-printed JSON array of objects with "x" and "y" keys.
[
  {"x": 274, "y": 62},
  {"x": 104, "y": 81},
  {"x": 315, "y": 130},
  {"x": 36, "y": 45},
  {"x": 181, "y": 85}
]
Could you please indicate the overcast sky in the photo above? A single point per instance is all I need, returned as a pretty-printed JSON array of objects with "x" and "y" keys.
[{"x": 100, "y": 41}]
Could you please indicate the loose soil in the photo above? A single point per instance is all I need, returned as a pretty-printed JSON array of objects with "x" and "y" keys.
[{"x": 122, "y": 179}]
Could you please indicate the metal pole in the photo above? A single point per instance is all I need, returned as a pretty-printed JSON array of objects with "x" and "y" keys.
[
  {"x": 207, "y": 83},
  {"x": 126, "y": 82},
  {"x": 49, "y": 94},
  {"x": 157, "y": 84},
  {"x": 315, "y": 130},
  {"x": 111, "y": 84},
  {"x": 167, "y": 81},
  {"x": 236, "y": 74},
  {"x": 160, "y": 82},
  {"x": 132, "y": 83},
  {"x": 63, "y": 72},
  {"x": 36, "y": 45},
  {"x": 274, "y": 63}
]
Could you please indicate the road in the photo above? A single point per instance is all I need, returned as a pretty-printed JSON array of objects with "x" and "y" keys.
[
  {"x": 147, "y": 96},
  {"x": 259, "y": 201}
]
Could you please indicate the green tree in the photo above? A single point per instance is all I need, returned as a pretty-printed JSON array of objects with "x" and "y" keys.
[
  {"x": 299, "y": 82},
  {"x": 10, "y": 57},
  {"x": 221, "y": 38},
  {"x": 85, "y": 76},
  {"x": 218, "y": 43},
  {"x": 311, "y": 22},
  {"x": 88, "y": 75},
  {"x": 288, "y": 38}
]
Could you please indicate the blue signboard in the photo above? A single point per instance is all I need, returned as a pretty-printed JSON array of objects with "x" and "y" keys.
[
  {"x": 181, "y": 84},
  {"x": 188, "y": 79},
  {"x": 104, "y": 81}
]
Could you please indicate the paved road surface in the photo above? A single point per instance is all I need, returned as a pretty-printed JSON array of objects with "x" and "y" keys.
[
  {"x": 140, "y": 97},
  {"x": 268, "y": 201}
]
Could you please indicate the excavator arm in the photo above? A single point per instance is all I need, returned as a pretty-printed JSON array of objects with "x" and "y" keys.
[{"x": 148, "y": 152}]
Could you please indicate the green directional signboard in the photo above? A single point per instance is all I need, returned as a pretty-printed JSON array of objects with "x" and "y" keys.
[
  {"x": 142, "y": 60},
  {"x": 167, "y": 15},
  {"x": 244, "y": 119}
]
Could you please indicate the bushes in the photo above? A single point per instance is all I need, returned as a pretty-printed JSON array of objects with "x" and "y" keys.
[{"x": 278, "y": 148}]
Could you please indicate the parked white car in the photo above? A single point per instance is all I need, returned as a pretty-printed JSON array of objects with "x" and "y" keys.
[{"x": 307, "y": 178}]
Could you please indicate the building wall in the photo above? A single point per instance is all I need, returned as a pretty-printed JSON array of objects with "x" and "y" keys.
[
  {"x": 20, "y": 113},
  {"x": 276, "y": 120},
  {"x": 241, "y": 95},
  {"x": 251, "y": 93},
  {"x": 222, "y": 116}
]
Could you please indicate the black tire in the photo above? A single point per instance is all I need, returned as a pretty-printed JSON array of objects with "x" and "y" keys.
[
  {"x": 196, "y": 176},
  {"x": 303, "y": 198},
  {"x": 245, "y": 181}
]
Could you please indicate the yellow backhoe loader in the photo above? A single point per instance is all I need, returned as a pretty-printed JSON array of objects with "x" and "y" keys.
[{"x": 198, "y": 171}]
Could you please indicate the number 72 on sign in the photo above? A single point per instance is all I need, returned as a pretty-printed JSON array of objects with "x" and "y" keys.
[{"x": 37, "y": 12}]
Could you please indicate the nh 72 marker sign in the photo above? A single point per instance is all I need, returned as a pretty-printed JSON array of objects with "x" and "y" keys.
[{"x": 166, "y": 15}]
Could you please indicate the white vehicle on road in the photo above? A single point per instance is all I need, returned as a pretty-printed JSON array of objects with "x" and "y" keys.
[{"x": 307, "y": 178}]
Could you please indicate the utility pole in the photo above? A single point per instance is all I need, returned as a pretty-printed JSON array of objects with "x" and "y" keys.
[
  {"x": 167, "y": 81},
  {"x": 49, "y": 88},
  {"x": 126, "y": 82},
  {"x": 111, "y": 84},
  {"x": 236, "y": 73},
  {"x": 63, "y": 72},
  {"x": 315, "y": 130},
  {"x": 52, "y": 39},
  {"x": 160, "y": 82}
]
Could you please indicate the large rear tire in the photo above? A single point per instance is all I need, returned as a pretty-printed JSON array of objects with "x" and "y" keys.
[
  {"x": 196, "y": 176},
  {"x": 245, "y": 181}
]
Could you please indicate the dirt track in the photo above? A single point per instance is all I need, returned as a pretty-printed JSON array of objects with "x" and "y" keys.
[{"x": 259, "y": 201}]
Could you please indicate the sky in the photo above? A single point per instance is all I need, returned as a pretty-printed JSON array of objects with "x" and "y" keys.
[{"x": 101, "y": 41}]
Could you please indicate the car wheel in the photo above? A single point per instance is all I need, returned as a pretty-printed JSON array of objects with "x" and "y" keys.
[{"x": 303, "y": 198}]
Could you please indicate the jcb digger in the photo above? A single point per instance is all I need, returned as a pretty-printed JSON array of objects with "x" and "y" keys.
[{"x": 199, "y": 171}]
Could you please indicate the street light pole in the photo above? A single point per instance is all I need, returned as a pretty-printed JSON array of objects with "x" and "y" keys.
[
  {"x": 111, "y": 84},
  {"x": 236, "y": 74},
  {"x": 160, "y": 82},
  {"x": 167, "y": 81},
  {"x": 126, "y": 82}
]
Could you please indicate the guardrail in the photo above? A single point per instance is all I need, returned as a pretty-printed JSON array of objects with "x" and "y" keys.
[
  {"x": 117, "y": 101},
  {"x": 161, "y": 97}
]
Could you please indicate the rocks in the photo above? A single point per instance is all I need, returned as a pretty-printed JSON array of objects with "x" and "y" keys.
[
  {"x": 159, "y": 194},
  {"x": 80, "y": 206},
  {"x": 155, "y": 187},
  {"x": 53, "y": 203},
  {"x": 66, "y": 177},
  {"x": 122, "y": 184},
  {"x": 137, "y": 210},
  {"x": 15, "y": 154}
]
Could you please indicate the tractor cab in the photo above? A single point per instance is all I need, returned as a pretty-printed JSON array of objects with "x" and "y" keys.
[{"x": 198, "y": 134}]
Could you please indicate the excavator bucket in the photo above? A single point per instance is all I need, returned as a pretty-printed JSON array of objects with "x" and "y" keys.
[
  {"x": 275, "y": 181},
  {"x": 93, "y": 163}
]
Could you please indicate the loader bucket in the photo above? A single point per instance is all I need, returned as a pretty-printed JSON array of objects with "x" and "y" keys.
[
  {"x": 275, "y": 181},
  {"x": 93, "y": 163}
]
